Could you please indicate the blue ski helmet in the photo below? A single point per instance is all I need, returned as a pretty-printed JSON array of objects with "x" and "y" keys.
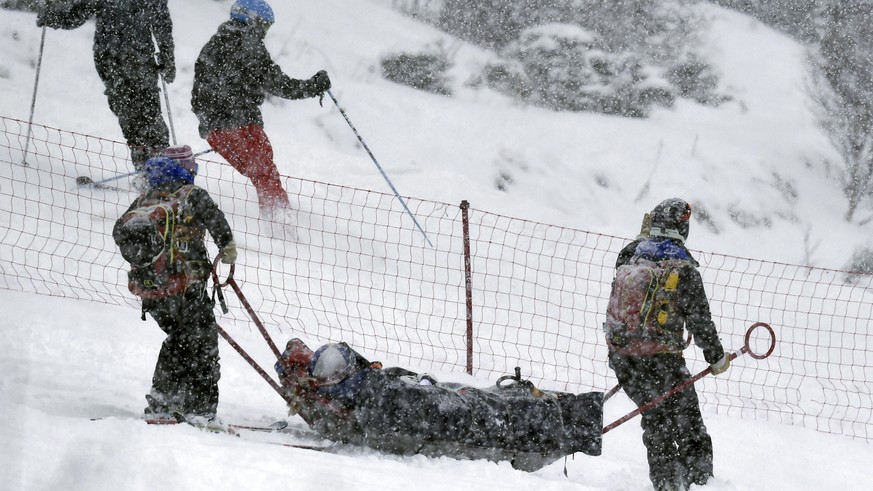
[
  {"x": 250, "y": 11},
  {"x": 164, "y": 170}
]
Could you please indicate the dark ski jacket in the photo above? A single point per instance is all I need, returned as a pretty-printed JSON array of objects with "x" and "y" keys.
[
  {"x": 233, "y": 75},
  {"x": 693, "y": 305},
  {"x": 124, "y": 27},
  {"x": 200, "y": 210}
]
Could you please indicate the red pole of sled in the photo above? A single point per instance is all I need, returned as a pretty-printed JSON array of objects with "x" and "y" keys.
[
  {"x": 251, "y": 361},
  {"x": 617, "y": 388},
  {"x": 232, "y": 283},
  {"x": 745, "y": 349}
]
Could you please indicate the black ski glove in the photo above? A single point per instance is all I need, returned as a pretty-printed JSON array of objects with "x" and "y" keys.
[
  {"x": 48, "y": 15},
  {"x": 319, "y": 83},
  {"x": 57, "y": 16},
  {"x": 167, "y": 66}
]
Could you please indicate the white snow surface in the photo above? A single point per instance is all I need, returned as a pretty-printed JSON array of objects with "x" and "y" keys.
[{"x": 64, "y": 362}]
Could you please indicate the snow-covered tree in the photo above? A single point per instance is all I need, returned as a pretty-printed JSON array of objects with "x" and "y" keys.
[
  {"x": 845, "y": 56},
  {"x": 794, "y": 17}
]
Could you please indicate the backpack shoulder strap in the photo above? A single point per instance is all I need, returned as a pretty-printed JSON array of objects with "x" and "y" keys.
[{"x": 180, "y": 196}]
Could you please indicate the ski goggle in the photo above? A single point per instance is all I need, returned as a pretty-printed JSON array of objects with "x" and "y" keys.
[{"x": 686, "y": 215}]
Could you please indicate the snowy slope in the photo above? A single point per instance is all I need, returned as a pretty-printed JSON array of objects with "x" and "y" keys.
[{"x": 64, "y": 362}]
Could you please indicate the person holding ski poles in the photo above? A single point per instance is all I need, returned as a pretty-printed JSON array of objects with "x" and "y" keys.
[
  {"x": 233, "y": 75},
  {"x": 162, "y": 236},
  {"x": 124, "y": 55},
  {"x": 657, "y": 293}
]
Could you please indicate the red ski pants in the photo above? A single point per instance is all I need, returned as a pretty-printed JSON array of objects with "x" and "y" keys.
[{"x": 248, "y": 150}]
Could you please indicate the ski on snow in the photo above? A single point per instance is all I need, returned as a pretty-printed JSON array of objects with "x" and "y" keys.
[
  {"x": 312, "y": 440},
  {"x": 277, "y": 426}
]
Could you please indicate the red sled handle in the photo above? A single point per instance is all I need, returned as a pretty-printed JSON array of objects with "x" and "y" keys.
[
  {"x": 745, "y": 349},
  {"x": 232, "y": 283},
  {"x": 236, "y": 289}
]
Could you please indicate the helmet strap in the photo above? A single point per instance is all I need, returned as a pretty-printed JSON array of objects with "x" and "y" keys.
[{"x": 666, "y": 232}]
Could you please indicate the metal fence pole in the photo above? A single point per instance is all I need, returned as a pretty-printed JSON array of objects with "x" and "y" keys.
[{"x": 33, "y": 100}]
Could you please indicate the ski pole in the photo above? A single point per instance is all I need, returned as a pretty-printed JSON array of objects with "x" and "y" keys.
[
  {"x": 160, "y": 66},
  {"x": 169, "y": 113},
  {"x": 87, "y": 181},
  {"x": 33, "y": 100},
  {"x": 745, "y": 349},
  {"x": 390, "y": 184}
]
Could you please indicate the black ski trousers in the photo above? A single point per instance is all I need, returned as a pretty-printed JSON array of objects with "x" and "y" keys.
[
  {"x": 678, "y": 447},
  {"x": 131, "y": 82},
  {"x": 187, "y": 372}
]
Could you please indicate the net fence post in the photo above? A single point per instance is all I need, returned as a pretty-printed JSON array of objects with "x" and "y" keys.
[{"x": 468, "y": 283}]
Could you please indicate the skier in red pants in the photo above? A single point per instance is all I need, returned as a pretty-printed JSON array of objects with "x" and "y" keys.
[
  {"x": 233, "y": 75},
  {"x": 249, "y": 151}
]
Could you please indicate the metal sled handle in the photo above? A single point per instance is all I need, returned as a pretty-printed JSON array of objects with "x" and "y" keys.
[
  {"x": 747, "y": 348},
  {"x": 252, "y": 363},
  {"x": 232, "y": 283},
  {"x": 215, "y": 280},
  {"x": 617, "y": 387},
  {"x": 516, "y": 380},
  {"x": 236, "y": 289}
]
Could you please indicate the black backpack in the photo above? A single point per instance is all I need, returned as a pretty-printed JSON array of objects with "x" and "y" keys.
[
  {"x": 154, "y": 240},
  {"x": 642, "y": 301}
]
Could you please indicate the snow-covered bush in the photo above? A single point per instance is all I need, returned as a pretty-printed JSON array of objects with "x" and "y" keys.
[
  {"x": 861, "y": 263},
  {"x": 695, "y": 79},
  {"x": 423, "y": 71},
  {"x": 563, "y": 67},
  {"x": 581, "y": 55}
]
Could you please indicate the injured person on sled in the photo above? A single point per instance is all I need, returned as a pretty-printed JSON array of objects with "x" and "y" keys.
[{"x": 346, "y": 398}]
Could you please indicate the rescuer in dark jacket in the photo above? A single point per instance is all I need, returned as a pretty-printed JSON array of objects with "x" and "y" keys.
[
  {"x": 647, "y": 357},
  {"x": 169, "y": 269},
  {"x": 124, "y": 55}
]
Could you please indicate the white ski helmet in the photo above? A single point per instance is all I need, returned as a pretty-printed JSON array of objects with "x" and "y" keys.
[{"x": 331, "y": 363}]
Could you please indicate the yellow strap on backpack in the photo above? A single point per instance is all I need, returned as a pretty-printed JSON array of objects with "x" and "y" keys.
[
  {"x": 672, "y": 281},
  {"x": 670, "y": 285}
]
